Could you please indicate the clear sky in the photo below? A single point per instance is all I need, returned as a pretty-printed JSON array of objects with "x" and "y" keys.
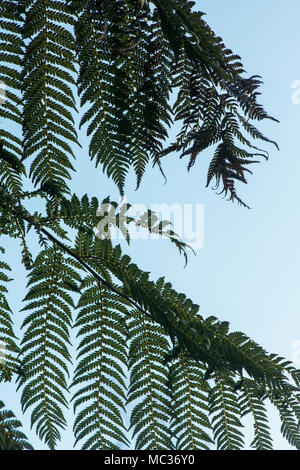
[{"x": 248, "y": 269}]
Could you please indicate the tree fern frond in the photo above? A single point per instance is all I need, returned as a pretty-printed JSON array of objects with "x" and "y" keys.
[
  {"x": 48, "y": 96},
  {"x": 99, "y": 377},
  {"x": 191, "y": 426},
  {"x": 8, "y": 348},
  {"x": 251, "y": 402},
  {"x": 11, "y": 54},
  {"x": 225, "y": 413},
  {"x": 148, "y": 384},
  {"x": 290, "y": 421},
  {"x": 45, "y": 345},
  {"x": 11, "y": 438}
]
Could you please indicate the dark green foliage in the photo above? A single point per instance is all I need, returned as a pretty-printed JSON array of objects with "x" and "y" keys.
[
  {"x": 251, "y": 402},
  {"x": 150, "y": 371},
  {"x": 45, "y": 352},
  {"x": 192, "y": 428},
  {"x": 47, "y": 79},
  {"x": 225, "y": 412},
  {"x": 148, "y": 384},
  {"x": 132, "y": 55},
  {"x": 8, "y": 347},
  {"x": 99, "y": 376},
  {"x": 11, "y": 53},
  {"x": 11, "y": 438}
]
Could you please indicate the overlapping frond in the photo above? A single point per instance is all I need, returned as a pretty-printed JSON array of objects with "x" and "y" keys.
[
  {"x": 48, "y": 82},
  {"x": 148, "y": 390},
  {"x": 100, "y": 380},
  {"x": 288, "y": 406},
  {"x": 191, "y": 425},
  {"x": 132, "y": 56},
  {"x": 225, "y": 414},
  {"x": 124, "y": 77},
  {"x": 45, "y": 344},
  {"x": 206, "y": 340},
  {"x": 11, "y": 54},
  {"x": 251, "y": 402},
  {"x": 144, "y": 353},
  {"x": 211, "y": 97},
  {"x": 11, "y": 438},
  {"x": 8, "y": 346}
]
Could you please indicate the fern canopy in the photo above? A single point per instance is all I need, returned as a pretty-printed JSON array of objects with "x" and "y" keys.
[{"x": 150, "y": 372}]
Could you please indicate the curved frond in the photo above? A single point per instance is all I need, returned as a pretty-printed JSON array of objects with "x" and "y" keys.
[
  {"x": 8, "y": 347},
  {"x": 225, "y": 414},
  {"x": 148, "y": 390},
  {"x": 191, "y": 425},
  {"x": 48, "y": 79},
  {"x": 45, "y": 344},
  {"x": 251, "y": 402},
  {"x": 11, "y": 438},
  {"x": 99, "y": 379}
]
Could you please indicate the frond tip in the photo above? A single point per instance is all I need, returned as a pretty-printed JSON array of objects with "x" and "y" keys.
[{"x": 11, "y": 438}]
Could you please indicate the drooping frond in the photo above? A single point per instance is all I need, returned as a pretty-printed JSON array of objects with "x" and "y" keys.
[
  {"x": 148, "y": 390},
  {"x": 225, "y": 414},
  {"x": 251, "y": 402},
  {"x": 48, "y": 78},
  {"x": 11, "y": 438},
  {"x": 288, "y": 406},
  {"x": 211, "y": 95},
  {"x": 11, "y": 54},
  {"x": 206, "y": 340},
  {"x": 191, "y": 426},
  {"x": 132, "y": 55},
  {"x": 124, "y": 77},
  {"x": 145, "y": 353},
  {"x": 99, "y": 378},
  {"x": 45, "y": 344},
  {"x": 8, "y": 347}
]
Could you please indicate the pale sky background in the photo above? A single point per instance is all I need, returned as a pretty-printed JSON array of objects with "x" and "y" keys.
[{"x": 248, "y": 269}]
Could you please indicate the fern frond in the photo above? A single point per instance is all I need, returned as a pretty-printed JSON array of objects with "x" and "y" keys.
[
  {"x": 48, "y": 78},
  {"x": 148, "y": 389},
  {"x": 289, "y": 413},
  {"x": 225, "y": 414},
  {"x": 99, "y": 376},
  {"x": 11, "y": 55},
  {"x": 11, "y": 438},
  {"x": 251, "y": 402},
  {"x": 45, "y": 344},
  {"x": 191, "y": 426},
  {"x": 8, "y": 348}
]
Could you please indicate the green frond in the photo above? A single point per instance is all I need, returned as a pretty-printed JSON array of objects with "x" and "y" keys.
[
  {"x": 8, "y": 348},
  {"x": 289, "y": 412},
  {"x": 191, "y": 426},
  {"x": 251, "y": 402},
  {"x": 210, "y": 94},
  {"x": 11, "y": 438},
  {"x": 208, "y": 341},
  {"x": 99, "y": 378},
  {"x": 48, "y": 79},
  {"x": 145, "y": 353},
  {"x": 45, "y": 344},
  {"x": 11, "y": 54},
  {"x": 225, "y": 414},
  {"x": 148, "y": 390}
]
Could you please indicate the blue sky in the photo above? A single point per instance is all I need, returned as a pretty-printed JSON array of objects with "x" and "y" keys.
[{"x": 248, "y": 269}]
